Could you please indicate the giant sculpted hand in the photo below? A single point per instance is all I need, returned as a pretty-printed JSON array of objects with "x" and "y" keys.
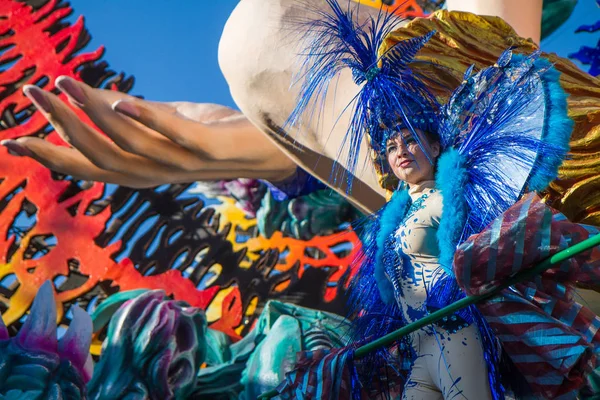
[{"x": 146, "y": 143}]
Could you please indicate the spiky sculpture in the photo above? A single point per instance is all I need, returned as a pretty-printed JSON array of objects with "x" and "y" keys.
[{"x": 34, "y": 365}]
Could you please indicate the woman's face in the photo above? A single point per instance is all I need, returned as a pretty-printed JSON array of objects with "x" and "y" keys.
[{"x": 408, "y": 161}]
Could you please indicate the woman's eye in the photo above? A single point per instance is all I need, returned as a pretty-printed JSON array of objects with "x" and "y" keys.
[
  {"x": 410, "y": 140},
  {"x": 391, "y": 149}
]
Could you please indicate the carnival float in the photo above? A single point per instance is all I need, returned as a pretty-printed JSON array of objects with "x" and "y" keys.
[{"x": 202, "y": 282}]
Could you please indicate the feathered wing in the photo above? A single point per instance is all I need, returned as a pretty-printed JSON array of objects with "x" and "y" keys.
[{"x": 506, "y": 131}]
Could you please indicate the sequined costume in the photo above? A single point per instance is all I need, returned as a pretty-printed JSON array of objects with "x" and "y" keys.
[{"x": 416, "y": 236}]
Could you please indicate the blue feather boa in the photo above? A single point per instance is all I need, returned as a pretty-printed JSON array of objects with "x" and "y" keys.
[
  {"x": 557, "y": 127},
  {"x": 451, "y": 179},
  {"x": 391, "y": 216}
]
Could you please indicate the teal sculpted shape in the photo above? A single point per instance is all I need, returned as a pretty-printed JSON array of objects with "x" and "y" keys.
[
  {"x": 260, "y": 360},
  {"x": 153, "y": 350},
  {"x": 318, "y": 213},
  {"x": 34, "y": 365}
]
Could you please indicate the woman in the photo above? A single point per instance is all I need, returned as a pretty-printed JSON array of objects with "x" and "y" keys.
[{"x": 449, "y": 360}]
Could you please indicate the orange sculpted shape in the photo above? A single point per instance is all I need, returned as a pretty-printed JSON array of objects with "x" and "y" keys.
[{"x": 402, "y": 8}]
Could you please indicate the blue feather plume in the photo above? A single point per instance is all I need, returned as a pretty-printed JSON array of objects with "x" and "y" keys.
[
  {"x": 391, "y": 96},
  {"x": 372, "y": 317},
  {"x": 451, "y": 178},
  {"x": 557, "y": 128}
]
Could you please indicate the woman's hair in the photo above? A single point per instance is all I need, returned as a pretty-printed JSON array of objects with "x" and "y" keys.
[
  {"x": 422, "y": 119},
  {"x": 433, "y": 137}
]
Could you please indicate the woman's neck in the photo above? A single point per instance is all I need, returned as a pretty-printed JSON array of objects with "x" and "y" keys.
[{"x": 416, "y": 189}]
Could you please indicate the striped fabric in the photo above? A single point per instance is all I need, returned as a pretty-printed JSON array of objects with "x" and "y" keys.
[
  {"x": 334, "y": 374},
  {"x": 551, "y": 338},
  {"x": 320, "y": 374}
]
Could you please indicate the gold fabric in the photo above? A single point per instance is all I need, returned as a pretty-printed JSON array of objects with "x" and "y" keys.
[{"x": 463, "y": 39}]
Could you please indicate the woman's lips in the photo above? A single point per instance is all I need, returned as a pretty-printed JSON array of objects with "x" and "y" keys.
[{"x": 405, "y": 163}]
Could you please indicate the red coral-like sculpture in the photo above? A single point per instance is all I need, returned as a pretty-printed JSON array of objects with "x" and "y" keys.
[{"x": 41, "y": 47}]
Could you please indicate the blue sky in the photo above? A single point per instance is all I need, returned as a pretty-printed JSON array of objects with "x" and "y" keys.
[{"x": 171, "y": 47}]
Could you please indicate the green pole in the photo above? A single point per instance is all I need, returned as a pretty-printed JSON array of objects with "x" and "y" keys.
[{"x": 469, "y": 300}]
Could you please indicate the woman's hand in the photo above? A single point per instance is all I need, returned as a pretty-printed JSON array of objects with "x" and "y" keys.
[{"x": 146, "y": 143}]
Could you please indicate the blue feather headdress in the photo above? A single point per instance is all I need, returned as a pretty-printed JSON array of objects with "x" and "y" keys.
[{"x": 391, "y": 96}]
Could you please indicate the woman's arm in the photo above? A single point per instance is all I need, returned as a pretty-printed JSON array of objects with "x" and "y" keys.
[{"x": 525, "y": 16}]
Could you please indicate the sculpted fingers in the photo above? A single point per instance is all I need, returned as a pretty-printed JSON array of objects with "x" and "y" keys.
[
  {"x": 128, "y": 134},
  {"x": 112, "y": 96},
  {"x": 95, "y": 147},
  {"x": 122, "y": 131},
  {"x": 229, "y": 139},
  {"x": 70, "y": 162},
  {"x": 179, "y": 130},
  {"x": 68, "y": 125},
  {"x": 107, "y": 95},
  {"x": 153, "y": 140}
]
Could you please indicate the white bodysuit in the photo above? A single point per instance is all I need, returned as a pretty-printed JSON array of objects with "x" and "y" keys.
[{"x": 448, "y": 365}]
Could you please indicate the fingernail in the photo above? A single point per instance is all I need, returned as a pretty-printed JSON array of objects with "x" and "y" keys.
[
  {"x": 127, "y": 108},
  {"x": 71, "y": 88},
  {"x": 16, "y": 149},
  {"x": 38, "y": 97}
]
